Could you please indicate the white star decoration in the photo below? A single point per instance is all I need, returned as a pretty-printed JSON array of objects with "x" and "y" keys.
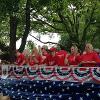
[
  {"x": 37, "y": 81},
  {"x": 53, "y": 83},
  {"x": 63, "y": 90},
  {"x": 34, "y": 85},
  {"x": 70, "y": 98},
  {"x": 99, "y": 94},
  {"x": 18, "y": 90},
  {"x": 21, "y": 97},
  {"x": 13, "y": 96},
  {"x": 42, "y": 95},
  {"x": 40, "y": 91},
  {"x": 12, "y": 92},
  {"x": 72, "y": 84},
  {"x": 18, "y": 93},
  {"x": 60, "y": 96},
  {"x": 50, "y": 96},
  {"x": 33, "y": 92},
  {"x": 63, "y": 82},
  {"x": 28, "y": 98},
  {"x": 87, "y": 94},
  {"x": 30, "y": 86},
  {"x": 42, "y": 83},
  {"x": 59, "y": 85},
  {"x": 16, "y": 85},
  {"x": 67, "y": 88},
  {"x": 49, "y": 86},
  {"x": 45, "y": 88},
  {"x": 81, "y": 98},
  {"x": 25, "y": 90},
  {"x": 92, "y": 85}
]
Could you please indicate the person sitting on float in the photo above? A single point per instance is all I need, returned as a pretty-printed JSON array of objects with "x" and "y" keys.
[
  {"x": 44, "y": 53},
  {"x": 51, "y": 57},
  {"x": 61, "y": 57},
  {"x": 20, "y": 58},
  {"x": 35, "y": 58},
  {"x": 74, "y": 57},
  {"x": 89, "y": 58}
]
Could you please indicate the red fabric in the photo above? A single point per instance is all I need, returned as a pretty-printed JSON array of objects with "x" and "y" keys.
[
  {"x": 20, "y": 59},
  {"x": 73, "y": 59},
  {"x": 61, "y": 57},
  {"x": 93, "y": 56},
  {"x": 50, "y": 60},
  {"x": 39, "y": 58},
  {"x": 44, "y": 58},
  {"x": 53, "y": 49},
  {"x": 32, "y": 62}
]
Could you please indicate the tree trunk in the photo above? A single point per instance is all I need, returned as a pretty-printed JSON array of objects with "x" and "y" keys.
[
  {"x": 27, "y": 28},
  {"x": 12, "y": 35}
]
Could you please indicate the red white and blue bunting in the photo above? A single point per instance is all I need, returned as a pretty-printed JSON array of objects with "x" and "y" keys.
[
  {"x": 31, "y": 72},
  {"x": 83, "y": 74},
  {"x": 18, "y": 72},
  {"x": 63, "y": 73},
  {"x": 46, "y": 73},
  {"x": 95, "y": 74}
]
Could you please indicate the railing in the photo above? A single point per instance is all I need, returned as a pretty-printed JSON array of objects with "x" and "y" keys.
[{"x": 77, "y": 74}]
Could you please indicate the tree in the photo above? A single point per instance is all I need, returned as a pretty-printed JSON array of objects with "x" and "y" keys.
[{"x": 72, "y": 17}]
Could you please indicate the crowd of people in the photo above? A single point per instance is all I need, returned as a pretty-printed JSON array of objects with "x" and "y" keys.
[{"x": 54, "y": 57}]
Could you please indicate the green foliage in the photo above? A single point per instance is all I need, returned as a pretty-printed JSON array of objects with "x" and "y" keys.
[
  {"x": 30, "y": 45},
  {"x": 77, "y": 21}
]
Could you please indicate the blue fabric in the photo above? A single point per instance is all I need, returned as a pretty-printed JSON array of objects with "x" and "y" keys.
[{"x": 25, "y": 89}]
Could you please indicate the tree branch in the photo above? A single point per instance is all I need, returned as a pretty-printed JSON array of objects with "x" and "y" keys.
[
  {"x": 44, "y": 22},
  {"x": 42, "y": 41},
  {"x": 88, "y": 24},
  {"x": 64, "y": 23}
]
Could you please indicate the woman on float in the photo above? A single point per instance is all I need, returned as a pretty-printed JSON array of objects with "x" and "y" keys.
[
  {"x": 61, "y": 57},
  {"x": 74, "y": 57},
  {"x": 44, "y": 53},
  {"x": 51, "y": 57},
  {"x": 35, "y": 58},
  {"x": 89, "y": 57},
  {"x": 20, "y": 58}
]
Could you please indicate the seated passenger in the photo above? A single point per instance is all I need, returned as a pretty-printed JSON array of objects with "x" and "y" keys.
[
  {"x": 89, "y": 58},
  {"x": 20, "y": 58},
  {"x": 61, "y": 56},
  {"x": 44, "y": 53},
  {"x": 74, "y": 57},
  {"x": 51, "y": 57},
  {"x": 35, "y": 58}
]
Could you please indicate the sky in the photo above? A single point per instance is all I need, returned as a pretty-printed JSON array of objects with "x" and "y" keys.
[{"x": 51, "y": 37}]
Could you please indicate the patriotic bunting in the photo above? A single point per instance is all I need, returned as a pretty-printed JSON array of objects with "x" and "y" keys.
[{"x": 77, "y": 74}]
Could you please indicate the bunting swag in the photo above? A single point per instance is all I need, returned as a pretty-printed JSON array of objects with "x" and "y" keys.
[
  {"x": 81, "y": 74},
  {"x": 76, "y": 74},
  {"x": 63, "y": 73},
  {"x": 31, "y": 73},
  {"x": 46, "y": 72},
  {"x": 50, "y": 82},
  {"x": 95, "y": 74}
]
